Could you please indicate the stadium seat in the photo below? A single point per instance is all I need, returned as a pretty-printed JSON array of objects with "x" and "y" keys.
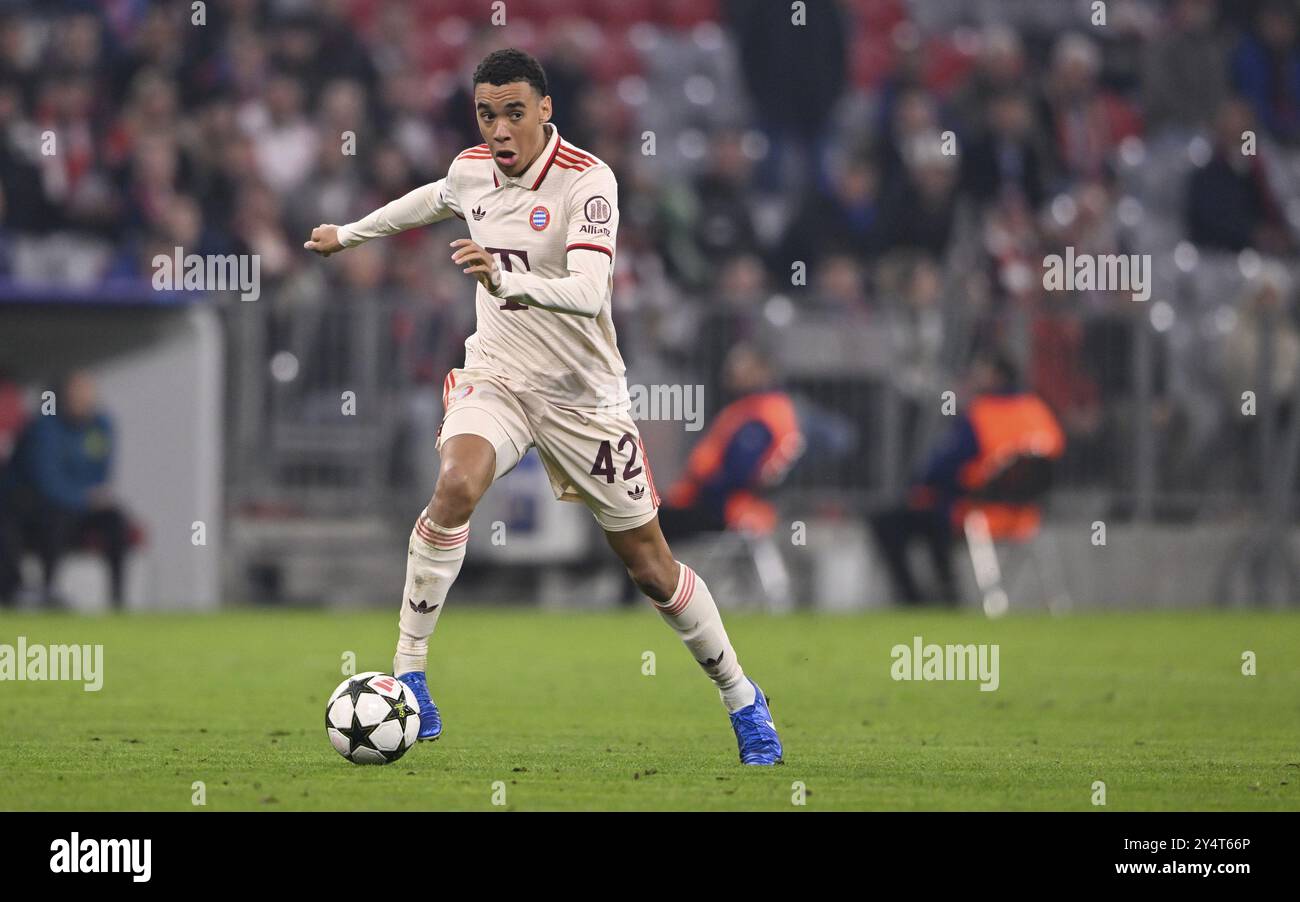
[{"x": 82, "y": 578}]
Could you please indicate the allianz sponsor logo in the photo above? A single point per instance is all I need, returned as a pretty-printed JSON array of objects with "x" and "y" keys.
[
  {"x": 660, "y": 401},
  {"x": 103, "y": 856},
  {"x": 213, "y": 272},
  {"x": 37, "y": 662},
  {"x": 1098, "y": 272},
  {"x": 919, "y": 661}
]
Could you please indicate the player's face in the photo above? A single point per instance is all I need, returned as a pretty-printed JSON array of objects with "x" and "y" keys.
[{"x": 510, "y": 118}]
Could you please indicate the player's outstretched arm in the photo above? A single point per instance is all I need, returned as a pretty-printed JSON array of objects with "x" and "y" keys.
[{"x": 427, "y": 204}]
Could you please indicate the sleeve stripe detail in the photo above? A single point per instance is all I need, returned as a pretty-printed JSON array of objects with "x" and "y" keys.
[
  {"x": 574, "y": 152},
  {"x": 590, "y": 247},
  {"x": 577, "y": 161}
]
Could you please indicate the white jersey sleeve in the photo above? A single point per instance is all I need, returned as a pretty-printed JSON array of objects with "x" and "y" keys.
[
  {"x": 592, "y": 223},
  {"x": 427, "y": 204}
]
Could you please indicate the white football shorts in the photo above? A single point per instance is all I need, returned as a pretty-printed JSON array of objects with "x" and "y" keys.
[{"x": 592, "y": 456}]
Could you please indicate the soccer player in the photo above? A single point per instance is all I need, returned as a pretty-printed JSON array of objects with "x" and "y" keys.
[{"x": 542, "y": 370}]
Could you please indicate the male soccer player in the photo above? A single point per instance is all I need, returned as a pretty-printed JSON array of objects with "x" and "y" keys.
[{"x": 542, "y": 370}]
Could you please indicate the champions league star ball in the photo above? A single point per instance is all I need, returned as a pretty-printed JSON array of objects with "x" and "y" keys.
[{"x": 372, "y": 718}]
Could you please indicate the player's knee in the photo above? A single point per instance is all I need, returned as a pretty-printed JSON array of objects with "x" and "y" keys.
[
  {"x": 455, "y": 496},
  {"x": 655, "y": 577}
]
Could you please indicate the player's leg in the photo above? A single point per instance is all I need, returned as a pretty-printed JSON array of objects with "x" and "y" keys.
[
  {"x": 483, "y": 436},
  {"x": 684, "y": 602},
  {"x": 599, "y": 460},
  {"x": 686, "y": 605},
  {"x": 436, "y": 548}
]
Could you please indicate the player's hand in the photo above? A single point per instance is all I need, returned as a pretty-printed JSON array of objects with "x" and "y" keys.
[
  {"x": 476, "y": 262},
  {"x": 324, "y": 240}
]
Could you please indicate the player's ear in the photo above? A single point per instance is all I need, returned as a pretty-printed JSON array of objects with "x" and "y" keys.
[{"x": 546, "y": 108}]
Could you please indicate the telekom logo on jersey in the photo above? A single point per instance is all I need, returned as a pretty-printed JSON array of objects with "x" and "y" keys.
[{"x": 505, "y": 254}]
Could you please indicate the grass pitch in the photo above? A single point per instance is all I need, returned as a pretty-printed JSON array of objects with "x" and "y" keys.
[{"x": 556, "y": 708}]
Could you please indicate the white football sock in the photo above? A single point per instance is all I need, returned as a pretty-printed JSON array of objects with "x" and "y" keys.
[
  {"x": 693, "y": 615},
  {"x": 433, "y": 558}
]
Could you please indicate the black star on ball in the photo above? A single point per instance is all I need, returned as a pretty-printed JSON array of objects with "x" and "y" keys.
[
  {"x": 358, "y": 736},
  {"x": 399, "y": 711}
]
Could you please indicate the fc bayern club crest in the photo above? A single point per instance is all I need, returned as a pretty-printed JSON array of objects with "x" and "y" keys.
[{"x": 540, "y": 218}]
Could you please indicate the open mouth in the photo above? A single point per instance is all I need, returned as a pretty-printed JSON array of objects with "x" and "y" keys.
[{"x": 506, "y": 157}]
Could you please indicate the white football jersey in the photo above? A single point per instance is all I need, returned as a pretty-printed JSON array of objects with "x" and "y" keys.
[{"x": 548, "y": 327}]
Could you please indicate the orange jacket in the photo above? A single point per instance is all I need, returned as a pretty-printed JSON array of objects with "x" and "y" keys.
[
  {"x": 705, "y": 468},
  {"x": 1006, "y": 427}
]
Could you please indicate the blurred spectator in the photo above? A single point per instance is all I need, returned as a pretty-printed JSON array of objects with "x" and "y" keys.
[
  {"x": 1266, "y": 70},
  {"x": 842, "y": 220},
  {"x": 723, "y": 223},
  {"x": 284, "y": 141},
  {"x": 742, "y": 291},
  {"x": 1006, "y": 162},
  {"x": 911, "y": 119},
  {"x": 1062, "y": 376},
  {"x": 1230, "y": 202},
  {"x": 57, "y": 485},
  {"x": 748, "y": 449},
  {"x": 1086, "y": 121},
  {"x": 839, "y": 287},
  {"x": 795, "y": 75},
  {"x": 26, "y": 204},
  {"x": 919, "y": 211},
  {"x": 1186, "y": 69},
  {"x": 1264, "y": 314},
  {"x": 913, "y": 283},
  {"x": 1000, "y": 423},
  {"x": 999, "y": 69}
]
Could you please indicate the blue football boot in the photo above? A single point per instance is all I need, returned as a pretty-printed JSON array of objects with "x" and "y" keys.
[
  {"x": 755, "y": 733},
  {"x": 430, "y": 719}
]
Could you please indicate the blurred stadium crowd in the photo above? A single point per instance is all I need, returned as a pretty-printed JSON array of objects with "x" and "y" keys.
[{"x": 743, "y": 144}]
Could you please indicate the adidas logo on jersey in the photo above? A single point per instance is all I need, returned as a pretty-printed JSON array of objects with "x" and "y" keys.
[
  {"x": 636, "y": 493},
  {"x": 478, "y": 213}
]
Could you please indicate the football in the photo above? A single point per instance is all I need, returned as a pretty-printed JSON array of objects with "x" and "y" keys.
[{"x": 372, "y": 718}]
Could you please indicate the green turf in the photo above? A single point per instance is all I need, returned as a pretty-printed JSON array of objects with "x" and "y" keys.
[{"x": 555, "y": 707}]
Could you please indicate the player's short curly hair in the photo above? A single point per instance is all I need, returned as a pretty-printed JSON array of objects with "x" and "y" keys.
[{"x": 502, "y": 67}]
